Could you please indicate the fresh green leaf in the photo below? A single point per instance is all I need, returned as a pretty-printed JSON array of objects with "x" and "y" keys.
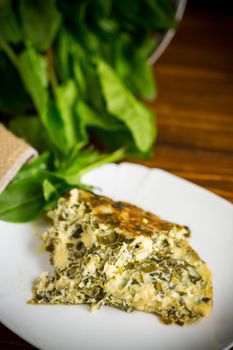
[
  {"x": 55, "y": 127},
  {"x": 9, "y": 26},
  {"x": 72, "y": 156},
  {"x": 103, "y": 159},
  {"x": 49, "y": 190},
  {"x": 25, "y": 198},
  {"x": 121, "y": 62},
  {"x": 31, "y": 129},
  {"x": 141, "y": 78},
  {"x": 55, "y": 117},
  {"x": 159, "y": 14},
  {"x": 93, "y": 118},
  {"x": 41, "y": 20},
  {"x": 37, "y": 165},
  {"x": 124, "y": 106},
  {"x": 78, "y": 58},
  {"x": 131, "y": 64},
  {"x": 148, "y": 15},
  {"x": 53, "y": 189},
  {"x": 62, "y": 54},
  {"x": 114, "y": 139},
  {"x": 94, "y": 96},
  {"x": 22, "y": 200},
  {"x": 146, "y": 47},
  {"x": 33, "y": 71},
  {"x": 86, "y": 161},
  {"x": 66, "y": 95},
  {"x": 5, "y": 46}
]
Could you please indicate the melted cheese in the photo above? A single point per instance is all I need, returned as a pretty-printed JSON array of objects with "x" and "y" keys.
[
  {"x": 60, "y": 258},
  {"x": 88, "y": 238},
  {"x": 109, "y": 270},
  {"x": 145, "y": 247},
  {"x": 145, "y": 293},
  {"x": 92, "y": 265}
]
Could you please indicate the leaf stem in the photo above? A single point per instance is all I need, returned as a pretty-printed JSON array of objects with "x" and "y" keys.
[
  {"x": 9, "y": 52},
  {"x": 113, "y": 157}
]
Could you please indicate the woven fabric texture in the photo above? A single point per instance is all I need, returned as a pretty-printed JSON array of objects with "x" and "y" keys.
[{"x": 14, "y": 152}]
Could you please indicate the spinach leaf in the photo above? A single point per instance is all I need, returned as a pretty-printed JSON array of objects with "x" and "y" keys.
[
  {"x": 114, "y": 139},
  {"x": 78, "y": 59},
  {"x": 66, "y": 95},
  {"x": 48, "y": 190},
  {"x": 53, "y": 189},
  {"x": 33, "y": 70},
  {"x": 25, "y": 198},
  {"x": 40, "y": 20},
  {"x": 22, "y": 200},
  {"x": 9, "y": 26},
  {"x": 99, "y": 120},
  {"x": 36, "y": 166},
  {"x": 131, "y": 64},
  {"x": 55, "y": 128},
  {"x": 31, "y": 129},
  {"x": 86, "y": 161},
  {"x": 141, "y": 79},
  {"x": 141, "y": 17},
  {"x": 125, "y": 107},
  {"x": 121, "y": 59},
  {"x": 62, "y": 54},
  {"x": 159, "y": 14},
  {"x": 94, "y": 96}
]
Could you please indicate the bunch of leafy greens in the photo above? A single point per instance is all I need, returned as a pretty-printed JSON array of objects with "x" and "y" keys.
[{"x": 72, "y": 73}]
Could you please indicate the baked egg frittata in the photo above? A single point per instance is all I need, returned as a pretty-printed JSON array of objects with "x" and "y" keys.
[{"x": 114, "y": 253}]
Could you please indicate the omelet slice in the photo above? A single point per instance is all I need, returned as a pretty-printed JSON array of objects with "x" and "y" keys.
[{"x": 113, "y": 253}]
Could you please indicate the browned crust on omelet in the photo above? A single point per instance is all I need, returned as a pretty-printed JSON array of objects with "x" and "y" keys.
[{"x": 129, "y": 219}]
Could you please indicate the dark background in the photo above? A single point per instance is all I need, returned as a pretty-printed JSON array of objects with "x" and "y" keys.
[{"x": 194, "y": 107}]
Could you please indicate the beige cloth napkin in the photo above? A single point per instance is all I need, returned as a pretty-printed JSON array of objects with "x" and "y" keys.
[{"x": 14, "y": 152}]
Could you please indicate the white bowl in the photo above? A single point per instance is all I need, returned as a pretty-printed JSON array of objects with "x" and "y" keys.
[{"x": 165, "y": 39}]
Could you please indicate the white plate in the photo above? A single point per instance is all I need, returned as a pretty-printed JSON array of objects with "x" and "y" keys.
[{"x": 75, "y": 327}]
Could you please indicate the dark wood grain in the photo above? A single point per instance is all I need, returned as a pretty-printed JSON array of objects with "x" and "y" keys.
[
  {"x": 194, "y": 108},
  {"x": 195, "y": 80},
  {"x": 211, "y": 170}
]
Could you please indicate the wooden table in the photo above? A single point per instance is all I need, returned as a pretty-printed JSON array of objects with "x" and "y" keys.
[{"x": 194, "y": 109}]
